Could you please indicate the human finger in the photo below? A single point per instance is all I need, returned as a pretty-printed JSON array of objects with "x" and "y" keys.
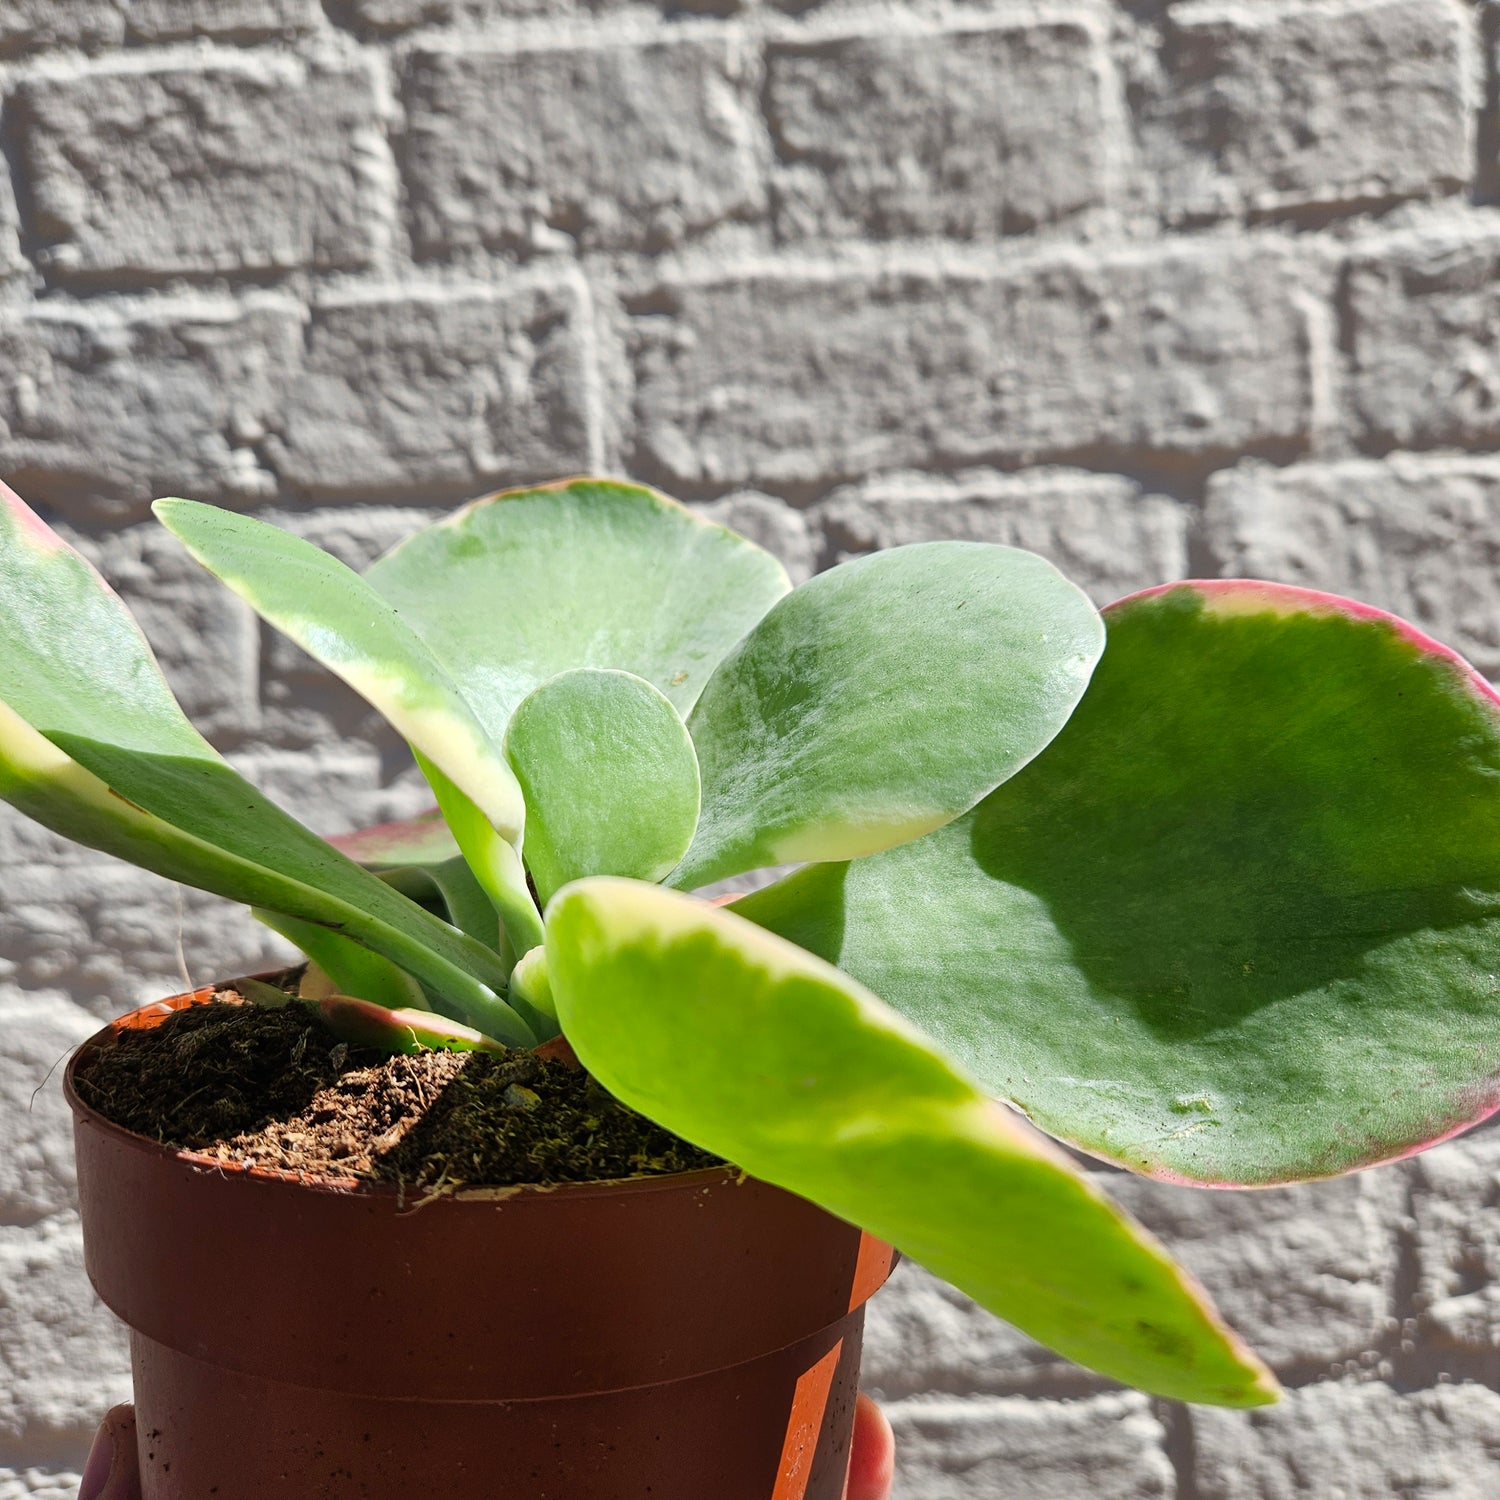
[
  {"x": 872, "y": 1454},
  {"x": 113, "y": 1468}
]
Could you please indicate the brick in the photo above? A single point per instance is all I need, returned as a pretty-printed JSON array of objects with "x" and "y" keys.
[
  {"x": 11, "y": 259},
  {"x": 106, "y": 935},
  {"x": 1268, "y": 108},
  {"x": 454, "y": 388},
  {"x": 104, "y": 407},
  {"x": 614, "y": 145},
  {"x": 1108, "y": 534},
  {"x": 1413, "y": 534},
  {"x": 23, "y": 842},
  {"x": 204, "y": 637},
  {"x": 771, "y": 524},
  {"x": 1422, "y": 308},
  {"x": 253, "y": 163},
  {"x": 90, "y": 24},
  {"x": 1307, "y": 1274},
  {"x": 1350, "y": 1441},
  {"x": 1457, "y": 1191},
  {"x": 63, "y": 1359},
  {"x": 36, "y": 1169},
  {"x": 235, "y": 20},
  {"x": 801, "y": 376},
  {"x": 33, "y": 1483},
  {"x": 1030, "y": 1450},
  {"x": 973, "y": 133},
  {"x": 384, "y": 16}
]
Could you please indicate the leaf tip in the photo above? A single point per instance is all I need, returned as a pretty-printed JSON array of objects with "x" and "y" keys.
[{"x": 31, "y": 526}]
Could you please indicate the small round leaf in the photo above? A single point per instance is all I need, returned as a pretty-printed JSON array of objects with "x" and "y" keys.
[{"x": 609, "y": 777}]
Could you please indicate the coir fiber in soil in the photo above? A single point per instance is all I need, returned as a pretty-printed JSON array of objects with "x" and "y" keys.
[{"x": 276, "y": 1088}]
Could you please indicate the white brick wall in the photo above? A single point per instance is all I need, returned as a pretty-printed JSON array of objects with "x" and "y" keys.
[{"x": 1156, "y": 287}]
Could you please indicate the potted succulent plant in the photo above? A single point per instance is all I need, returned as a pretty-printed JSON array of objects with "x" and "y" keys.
[{"x": 1205, "y": 886}]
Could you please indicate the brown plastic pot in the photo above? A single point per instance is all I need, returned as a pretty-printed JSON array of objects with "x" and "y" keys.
[{"x": 693, "y": 1337}]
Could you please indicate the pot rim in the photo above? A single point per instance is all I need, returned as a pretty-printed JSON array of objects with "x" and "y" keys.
[{"x": 144, "y": 1016}]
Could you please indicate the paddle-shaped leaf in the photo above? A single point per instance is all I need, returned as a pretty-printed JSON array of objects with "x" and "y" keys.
[
  {"x": 93, "y": 744},
  {"x": 610, "y": 778},
  {"x": 516, "y": 588},
  {"x": 339, "y": 620},
  {"x": 751, "y": 1048},
  {"x": 881, "y": 699},
  {"x": 1240, "y": 923}
]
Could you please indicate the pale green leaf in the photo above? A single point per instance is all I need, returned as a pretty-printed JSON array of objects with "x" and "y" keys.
[
  {"x": 362, "y": 1023},
  {"x": 492, "y": 857},
  {"x": 609, "y": 775},
  {"x": 881, "y": 699},
  {"x": 423, "y": 840},
  {"x": 529, "y": 985},
  {"x": 521, "y": 586},
  {"x": 1239, "y": 923},
  {"x": 339, "y": 620},
  {"x": 93, "y": 744},
  {"x": 751, "y": 1048}
]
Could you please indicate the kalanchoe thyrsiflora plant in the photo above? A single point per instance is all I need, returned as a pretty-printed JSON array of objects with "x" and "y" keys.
[{"x": 1219, "y": 903}]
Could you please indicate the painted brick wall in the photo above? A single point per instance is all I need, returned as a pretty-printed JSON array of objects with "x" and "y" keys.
[{"x": 1154, "y": 287}]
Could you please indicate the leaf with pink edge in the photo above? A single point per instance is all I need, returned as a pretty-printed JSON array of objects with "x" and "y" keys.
[
  {"x": 1239, "y": 923},
  {"x": 94, "y": 746}
]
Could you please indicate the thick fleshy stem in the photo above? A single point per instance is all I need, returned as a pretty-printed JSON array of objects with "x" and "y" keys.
[{"x": 495, "y": 861}]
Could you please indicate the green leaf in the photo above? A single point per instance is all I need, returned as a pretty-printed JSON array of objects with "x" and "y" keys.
[
  {"x": 529, "y": 985},
  {"x": 521, "y": 586},
  {"x": 881, "y": 699},
  {"x": 494, "y": 859},
  {"x": 363, "y": 1024},
  {"x": 354, "y": 969},
  {"x": 753, "y": 1049},
  {"x": 1240, "y": 923},
  {"x": 39, "y": 780},
  {"x": 93, "y": 744},
  {"x": 609, "y": 775},
  {"x": 339, "y": 620}
]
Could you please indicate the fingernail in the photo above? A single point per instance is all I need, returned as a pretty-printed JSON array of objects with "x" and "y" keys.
[{"x": 96, "y": 1470}]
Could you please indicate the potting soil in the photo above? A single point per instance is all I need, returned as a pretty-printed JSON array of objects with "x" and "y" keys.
[{"x": 275, "y": 1088}]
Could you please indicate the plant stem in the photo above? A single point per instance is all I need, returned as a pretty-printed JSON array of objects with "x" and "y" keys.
[{"x": 495, "y": 861}]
